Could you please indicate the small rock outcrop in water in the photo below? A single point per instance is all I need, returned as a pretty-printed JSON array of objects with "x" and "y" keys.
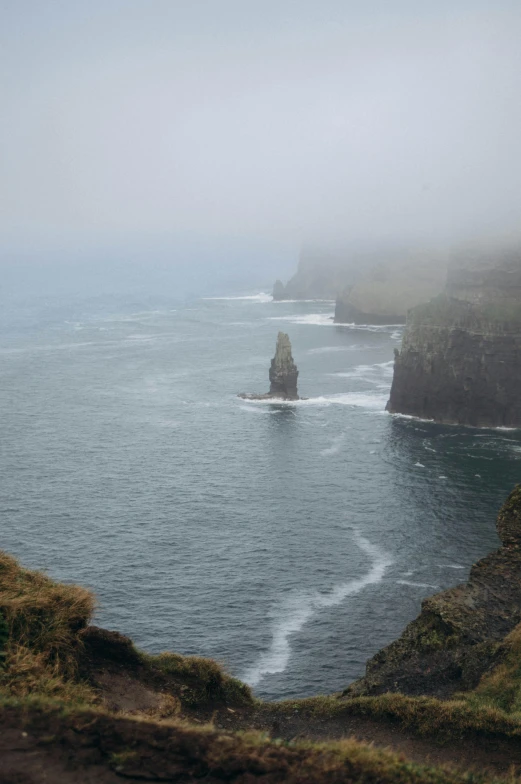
[
  {"x": 460, "y": 361},
  {"x": 283, "y": 374},
  {"x": 459, "y": 633}
]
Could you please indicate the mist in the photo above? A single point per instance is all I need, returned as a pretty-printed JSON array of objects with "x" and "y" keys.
[{"x": 264, "y": 125}]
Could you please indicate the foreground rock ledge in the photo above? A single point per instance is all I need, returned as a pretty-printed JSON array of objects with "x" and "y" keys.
[
  {"x": 283, "y": 374},
  {"x": 459, "y": 634}
]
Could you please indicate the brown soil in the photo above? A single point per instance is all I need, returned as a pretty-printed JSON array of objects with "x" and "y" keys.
[
  {"x": 497, "y": 756},
  {"x": 90, "y": 748}
]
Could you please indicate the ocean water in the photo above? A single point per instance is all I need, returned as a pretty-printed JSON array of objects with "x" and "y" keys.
[{"x": 288, "y": 541}]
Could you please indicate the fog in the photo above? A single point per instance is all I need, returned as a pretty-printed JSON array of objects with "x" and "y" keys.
[{"x": 257, "y": 124}]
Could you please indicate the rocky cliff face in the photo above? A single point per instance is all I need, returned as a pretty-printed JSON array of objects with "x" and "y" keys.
[
  {"x": 321, "y": 274},
  {"x": 283, "y": 374},
  {"x": 283, "y": 371},
  {"x": 387, "y": 292},
  {"x": 459, "y": 633},
  {"x": 460, "y": 360}
]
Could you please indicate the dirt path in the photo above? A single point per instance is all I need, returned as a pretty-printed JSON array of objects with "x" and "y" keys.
[
  {"x": 495, "y": 756},
  {"x": 124, "y": 693},
  {"x": 89, "y": 748}
]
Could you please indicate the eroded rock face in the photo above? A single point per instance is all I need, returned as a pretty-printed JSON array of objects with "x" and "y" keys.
[
  {"x": 283, "y": 371},
  {"x": 460, "y": 361},
  {"x": 283, "y": 374},
  {"x": 459, "y": 633},
  {"x": 321, "y": 274}
]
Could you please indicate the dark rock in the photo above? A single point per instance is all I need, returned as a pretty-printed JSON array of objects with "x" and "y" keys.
[
  {"x": 104, "y": 645},
  {"x": 283, "y": 374},
  {"x": 459, "y": 633},
  {"x": 460, "y": 361}
]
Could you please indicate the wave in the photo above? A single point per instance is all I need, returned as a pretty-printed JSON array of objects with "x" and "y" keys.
[
  {"x": 418, "y": 585},
  {"x": 370, "y": 373},
  {"x": 327, "y": 320},
  {"x": 336, "y": 446},
  {"x": 262, "y": 297},
  {"x": 296, "y": 610},
  {"x": 314, "y": 319},
  {"x": 332, "y": 349},
  {"x": 358, "y": 400},
  {"x": 410, "y": 416},
  {"x": 285, "y": 301}
]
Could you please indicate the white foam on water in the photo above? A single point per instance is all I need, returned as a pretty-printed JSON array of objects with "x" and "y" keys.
[
  {"x": 410, "y": 416},
  {"x": 450, "y": 566},
  {"x": 313, "y": 319},
  {"x": 261, "y": 297},
  {"x": 285, "y": 301},
  {"x": 336, "y": 446},
  {"x": 419, "y": 465},
  {"x": 297, "y": 609},
  {"x": 442, "y": 477},
  {"x": 371, "y": 373},
  {"x": 252, "y": 410},
  {"x": 418, "y": 585},
  {"x": 332, "y": 349},
  {"x": 371, "y": 402}
]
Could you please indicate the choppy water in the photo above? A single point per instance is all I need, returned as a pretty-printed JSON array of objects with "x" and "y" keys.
[{"x": 288, "y": 541}]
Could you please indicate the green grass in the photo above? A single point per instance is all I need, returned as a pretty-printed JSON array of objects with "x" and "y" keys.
[
  {"x": 445, "y": 311},
  {"x": 203, "y": 680},
  {"x": 425, "y": 716}
]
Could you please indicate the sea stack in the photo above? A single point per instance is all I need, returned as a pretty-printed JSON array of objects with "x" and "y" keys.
[
  {"x": 283, "y": 374},
  {"x": 283, "y": 371}
]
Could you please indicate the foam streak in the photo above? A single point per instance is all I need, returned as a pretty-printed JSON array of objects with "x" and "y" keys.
[{"x": 298, "y": 609}]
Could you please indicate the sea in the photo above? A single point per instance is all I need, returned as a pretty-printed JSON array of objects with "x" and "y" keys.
[{"x": 288, "y": 541}]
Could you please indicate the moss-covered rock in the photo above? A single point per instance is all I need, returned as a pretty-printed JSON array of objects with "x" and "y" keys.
[{"x": 460, "y": 633}]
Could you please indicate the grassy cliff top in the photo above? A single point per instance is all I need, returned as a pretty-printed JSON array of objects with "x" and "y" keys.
[{"x": 445, "y": 311}]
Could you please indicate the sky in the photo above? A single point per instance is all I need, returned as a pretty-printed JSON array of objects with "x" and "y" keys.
[{"x": 257, "y": 123}]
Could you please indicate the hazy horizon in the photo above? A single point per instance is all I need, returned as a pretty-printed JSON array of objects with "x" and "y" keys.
[{"x": 148, "y": 127}]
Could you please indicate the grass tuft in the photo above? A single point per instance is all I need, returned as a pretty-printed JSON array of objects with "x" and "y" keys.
[
  {"x": 42, "y": 620},
  {"x": 204, "y": 680}
]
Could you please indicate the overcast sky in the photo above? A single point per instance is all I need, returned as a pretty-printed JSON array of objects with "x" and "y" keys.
[{"x": 277, "y": 120}]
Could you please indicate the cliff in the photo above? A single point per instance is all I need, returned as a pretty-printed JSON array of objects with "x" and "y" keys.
[
  {"x": 388, "y": 291},
  {"x": 321, "y": 274},
  {"x": 461, "y": 634},
  {"x": 460, "y": 360}
]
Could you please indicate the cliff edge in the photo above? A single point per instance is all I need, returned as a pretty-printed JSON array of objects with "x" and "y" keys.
[
  {"x": 460, "y": 361},
  {"x": 459, "y": 635}
]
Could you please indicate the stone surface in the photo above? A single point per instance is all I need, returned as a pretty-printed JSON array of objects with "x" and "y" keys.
[
  {"x": 459, "y": 633},
  {"x": 283, "y": 374},
  {"x": 460, "y": 361}
]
